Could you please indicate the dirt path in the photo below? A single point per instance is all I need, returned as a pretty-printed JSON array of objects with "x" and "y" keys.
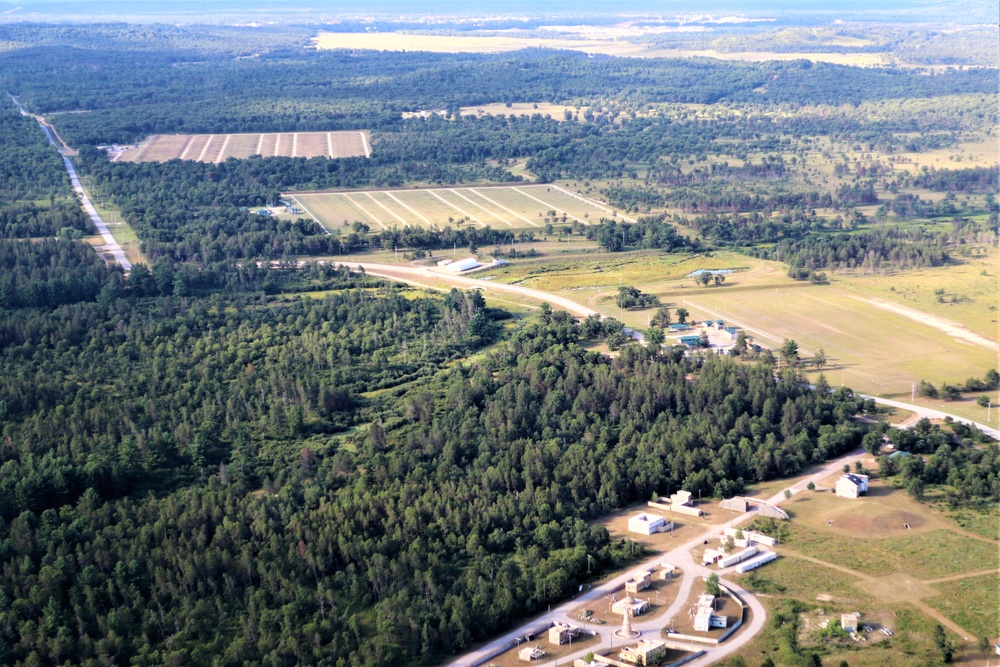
[
  {"x": 923, "y": 608},
  {"x": 964, "y": 575},
  {"x": 953, "y": 329}
]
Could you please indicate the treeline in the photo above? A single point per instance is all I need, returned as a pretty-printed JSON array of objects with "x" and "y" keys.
[
  {"x": 972, "y": 473},
  {"x": 977, "y": 180},
  {"x": 27, "y": 219},
  {"x": 50, "y": 273},
  {"x": 646, "y": 232},
  {"x": 31, "y": 169},
  {"x": 174, "y": 487},
  {"x": 750, "y": 228},
  {"x": 132, "y": 94},
  {"x": 720, "y": 196},
  {"x": 871, "y": 250}
]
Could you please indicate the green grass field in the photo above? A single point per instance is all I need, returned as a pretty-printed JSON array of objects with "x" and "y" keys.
[
  {"x": 972, "y": 603},
  {"x": 881, "y": 351},
  {"x": 925, "y": 555},
  {"x": 521, "y": 207}
]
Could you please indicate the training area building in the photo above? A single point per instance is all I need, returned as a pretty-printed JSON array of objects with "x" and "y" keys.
[
  {"x": 705, "y": 617},
  {"x": 562, "y": 633},
  {"x": 852, "y": 486},
  {"x": 631, "y": 605},
  {"x": 646, "y": 652},
  {"x": 649, "y": 524}
]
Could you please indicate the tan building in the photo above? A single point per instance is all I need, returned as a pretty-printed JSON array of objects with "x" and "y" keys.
[
  {"x": 646, "y": 652},
  {"x": 849, "y": 622},
  {"x": 562, "y": 633},
  {"x": 530, "y": 653},
  {"x": 628, "y": 603},
  {"x": 639, "y": 582}
]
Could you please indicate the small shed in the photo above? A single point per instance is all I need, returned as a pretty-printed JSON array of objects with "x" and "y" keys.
[
  {"x": 462, "y": 265},
  {"x": 531, "y": 653},
  {"x": 849, "y": 622}
]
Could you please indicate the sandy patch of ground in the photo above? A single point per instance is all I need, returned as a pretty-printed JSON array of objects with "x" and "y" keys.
[
  {"x": 956, "y": 331},
  {"x": 898, "y": 587}
]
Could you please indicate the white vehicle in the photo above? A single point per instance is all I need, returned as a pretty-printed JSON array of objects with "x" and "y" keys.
[{"x": 887, "y": 632}]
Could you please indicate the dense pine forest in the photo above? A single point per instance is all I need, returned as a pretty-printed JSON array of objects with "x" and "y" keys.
[{"x": 278, "y": 467}]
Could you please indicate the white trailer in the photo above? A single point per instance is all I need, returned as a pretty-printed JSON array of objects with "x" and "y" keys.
[{"x": 756, "y": 562}]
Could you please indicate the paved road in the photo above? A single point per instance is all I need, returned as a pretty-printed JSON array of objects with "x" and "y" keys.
[
  {"x": 110, "y": 244},
  {"x": 692, "y": 574},
  {"x": 679, "y": 556},
  {"x": 931, "y": 413},
  {"x": 409, "y": 273}
]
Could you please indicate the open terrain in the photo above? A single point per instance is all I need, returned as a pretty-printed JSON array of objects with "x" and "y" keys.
[
  {"x": 221, "y": 147},
  {"x": 398, "y": 41},
  {"x": 521, "y": 207}
]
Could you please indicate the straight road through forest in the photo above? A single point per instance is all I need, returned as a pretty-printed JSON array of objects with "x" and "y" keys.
[{"x": 110, "y": 244}]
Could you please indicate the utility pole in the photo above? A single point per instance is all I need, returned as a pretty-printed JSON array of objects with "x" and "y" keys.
[{"x": 913, "y": 392}]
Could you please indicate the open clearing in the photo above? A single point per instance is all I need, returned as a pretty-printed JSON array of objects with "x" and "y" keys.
[
  {"x": 972, "y": 603},
  {"x": 882, "y": 351},
  {"x": 221, "y": 147},
  {"x": 392, "y": 41},
  {"x": 521, "y": 207}
]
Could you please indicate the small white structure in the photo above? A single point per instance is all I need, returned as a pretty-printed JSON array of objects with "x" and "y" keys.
[
  {"x": 463, "y": 265},
  {"x": 738, "y": 557},
  {"x": 849, "y": 622},
  {"x": 712, "y": 556},
  {"x": 852, "y": 486},
  {"x": 649, "y": 524},
  {"x": 680, "y": 498},
  {"x": 751, "y": 537},
  {"x": 754, "y": 563},
  {"x": 445, "y": 262},
  {"x": 705, "y": 617}
]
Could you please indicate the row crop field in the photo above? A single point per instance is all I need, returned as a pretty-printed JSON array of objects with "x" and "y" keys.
[
  {"x": 221, "y": 147},
  {"x": 500, "y": 207}
]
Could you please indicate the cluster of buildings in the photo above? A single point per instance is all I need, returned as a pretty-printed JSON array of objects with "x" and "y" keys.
[
  {"x": 721, "y": 338},
  {"x": 748, "y": 558},
  {"x": 679, "y": 503}
]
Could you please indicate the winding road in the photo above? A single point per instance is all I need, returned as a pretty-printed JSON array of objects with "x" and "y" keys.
[
  {"x": 679, "y": 556},
  {"x": 110, "y": 244},
  {"x": 692, "y": 573}
]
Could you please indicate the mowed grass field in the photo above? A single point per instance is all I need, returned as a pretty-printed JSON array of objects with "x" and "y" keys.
[
  {"x": 221, "y": 147},
  {"x": 879, "y": 351},
  {"x": 522, "y": 207}
]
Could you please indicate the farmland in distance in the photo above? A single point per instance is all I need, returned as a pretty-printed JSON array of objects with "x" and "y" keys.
[
  {"x": 221, "y": 147},
  {"x": 500, "y": 207}
]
